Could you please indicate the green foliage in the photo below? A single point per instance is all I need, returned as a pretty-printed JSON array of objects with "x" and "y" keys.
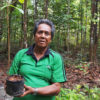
[
  {"x": 79, "y": 93},
  {"x": 93, "y": 93},
  {"x": 3, "y": 7},
  {"x": 68, "y": 94},
  {"x": 21, "y": 1},
  {"x": 72, "y": 19},
  {"x": 20, "y": 10}
]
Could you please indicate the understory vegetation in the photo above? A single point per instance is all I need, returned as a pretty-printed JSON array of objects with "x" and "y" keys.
[{"x": 79, "y": 93}]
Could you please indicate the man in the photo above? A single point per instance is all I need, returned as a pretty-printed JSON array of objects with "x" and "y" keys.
[{"x": 41, "y": 67}]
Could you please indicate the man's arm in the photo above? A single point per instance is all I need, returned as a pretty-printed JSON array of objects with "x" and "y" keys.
[{"x": 52, "y": 89}]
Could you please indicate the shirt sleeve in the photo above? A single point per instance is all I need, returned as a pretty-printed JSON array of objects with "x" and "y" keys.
[{"x": 58, "y": 74}]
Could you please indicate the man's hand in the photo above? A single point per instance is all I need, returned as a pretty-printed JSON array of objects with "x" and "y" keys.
[{"x": 28, "y": 90}]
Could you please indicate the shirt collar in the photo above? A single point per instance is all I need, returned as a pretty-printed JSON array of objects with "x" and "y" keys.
[{"x": 31, "y": 48}]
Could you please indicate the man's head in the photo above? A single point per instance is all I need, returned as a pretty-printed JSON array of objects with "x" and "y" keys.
[{"x": 44, "y": 21}]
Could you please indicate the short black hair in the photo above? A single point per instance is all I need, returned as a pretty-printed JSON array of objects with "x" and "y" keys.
[{"x": 44, "y": 21}]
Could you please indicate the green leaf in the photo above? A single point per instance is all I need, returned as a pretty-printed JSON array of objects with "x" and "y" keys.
[
  {"x": 20, "y": 10},
  {"x": 3, "y": 7},
  {"x": 21, "y": 1},
  {"x": 57, "y": 0}
]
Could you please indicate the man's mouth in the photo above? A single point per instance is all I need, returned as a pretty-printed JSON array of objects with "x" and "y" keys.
[{"x": 42, "y": 41}]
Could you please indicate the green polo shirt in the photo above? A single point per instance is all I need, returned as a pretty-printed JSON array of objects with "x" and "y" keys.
[{"x": 49, "y": 69}]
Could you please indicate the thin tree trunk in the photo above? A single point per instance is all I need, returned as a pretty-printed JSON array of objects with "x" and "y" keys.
[
  {"x": 77, "y": 39},
  {"x": 35, "y": 10},
  {"x": 85, "y": 33},
  {"x": 99, "y": 21},
  {"x": 22, "y": 31},
  {"x": 99, "y": 18},
  {"x": 1, "y": 24},
  {"x": 25, "y": 24},
  {"x": 81, "y": 17},
  {"x": 8, "y": 38},
  {"x": 93, "y": 31},
  {"x": 68, "y": 29},
  {"x": 46, "y": 9},
  {"x": 85, "y": 24}
]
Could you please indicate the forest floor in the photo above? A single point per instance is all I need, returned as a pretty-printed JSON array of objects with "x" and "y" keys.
[{"x": 84, "y": 76}]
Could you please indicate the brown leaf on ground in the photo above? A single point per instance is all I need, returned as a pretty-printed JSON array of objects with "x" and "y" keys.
[{"x": 76, "y": 76}]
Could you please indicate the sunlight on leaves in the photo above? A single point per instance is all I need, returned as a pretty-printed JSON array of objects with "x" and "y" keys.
[
  {"x": 76, "y": 2},
  {"x": 21, "y": 1}
]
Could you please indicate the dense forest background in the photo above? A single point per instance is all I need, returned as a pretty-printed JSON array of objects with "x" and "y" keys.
[
  {"x": 77, "y": 39},
  {"x": 77, "y": 24}
]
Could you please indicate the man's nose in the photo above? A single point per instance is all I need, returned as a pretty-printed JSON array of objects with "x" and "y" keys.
[{"x": 43, "y": 34}]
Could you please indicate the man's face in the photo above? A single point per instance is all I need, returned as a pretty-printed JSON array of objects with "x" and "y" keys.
[{"x": 43, "y": 35}]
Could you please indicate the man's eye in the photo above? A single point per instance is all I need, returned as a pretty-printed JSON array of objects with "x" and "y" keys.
[
  {"x": 47, "y": 33},
  {"x": 40, "y": 32}
]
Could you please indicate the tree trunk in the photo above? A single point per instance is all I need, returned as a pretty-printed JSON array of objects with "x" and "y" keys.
[
  {"x": 1, "y": 24},
  {"x": 85, "y": 25},
  {"x": 35, "y": 10},
  {"x": 68, "y": 29},
  {"x": 77, "y": 39},
  {"x": 25, "y": 24},
  {"x": 93, "y": 31},
  {"x": 22, "y": 31},
  {"x": 81, "y": 17},
  {"x": 8, "y": 37},
  {"x": 46, "y": 9},
  {"x": 99, "y": 20}
]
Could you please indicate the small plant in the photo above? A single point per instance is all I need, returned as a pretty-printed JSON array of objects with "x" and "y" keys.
[
  {"x": 68, "y": 94},
  {"x": 83, "y": 66},
  {"x": 93, "y": 93},
  {"x": 79, "y": 93}
]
